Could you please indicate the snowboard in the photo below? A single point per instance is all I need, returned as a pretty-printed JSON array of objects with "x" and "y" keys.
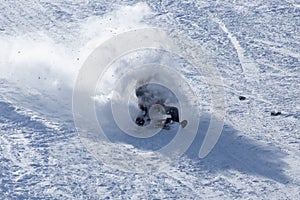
[
  {"x": 159, "y": 118},
  {"x": 162, "y": 124}
]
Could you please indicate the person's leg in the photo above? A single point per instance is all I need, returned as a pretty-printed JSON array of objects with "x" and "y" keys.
[
  {"x": 173, "y": 111},
  {"x": 143, "y": 116}
]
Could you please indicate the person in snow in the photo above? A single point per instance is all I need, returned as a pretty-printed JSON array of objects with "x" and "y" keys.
[{"x": 147, "y": 98}]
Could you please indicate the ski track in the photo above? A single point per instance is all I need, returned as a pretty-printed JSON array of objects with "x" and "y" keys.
[
  {"x": 249, "y": 69},
  {"x": 256, "y": 48}
]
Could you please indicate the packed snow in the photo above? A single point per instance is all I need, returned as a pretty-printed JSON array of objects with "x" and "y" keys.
[{"x": 255, "y": 46}]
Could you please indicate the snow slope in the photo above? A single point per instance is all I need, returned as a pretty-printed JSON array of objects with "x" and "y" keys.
[{"x": 255, "y": 46}]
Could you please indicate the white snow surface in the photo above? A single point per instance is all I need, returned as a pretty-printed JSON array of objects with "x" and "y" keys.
[{"x": 254, "y": 44}]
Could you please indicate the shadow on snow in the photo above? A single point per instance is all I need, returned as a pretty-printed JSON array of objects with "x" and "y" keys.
[{"x": 235, "y": 151}]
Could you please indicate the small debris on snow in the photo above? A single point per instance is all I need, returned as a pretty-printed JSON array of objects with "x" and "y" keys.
[
  {"x": 242, "y": 98},
  {"x": 273, "y": 113}
]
